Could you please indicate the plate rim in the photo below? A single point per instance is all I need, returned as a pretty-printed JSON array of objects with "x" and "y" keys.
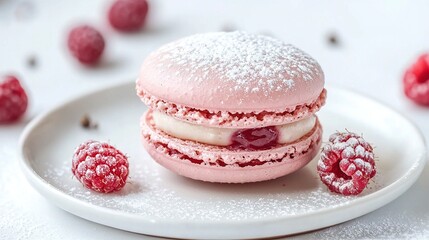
[{"x": 391, "y": 191}]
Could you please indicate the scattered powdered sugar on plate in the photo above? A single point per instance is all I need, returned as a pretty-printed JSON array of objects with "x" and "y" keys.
[
  {"x": 15, "y": 223},
  {"x": 390, "y": 226},
  {"x": 239, "y": 57},
  {"x": 148, "y": 194}
]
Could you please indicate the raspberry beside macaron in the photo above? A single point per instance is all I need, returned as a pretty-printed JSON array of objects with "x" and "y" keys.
[
  {"x": 100, "y": 166},
  {"x": 346, "y": 164}
]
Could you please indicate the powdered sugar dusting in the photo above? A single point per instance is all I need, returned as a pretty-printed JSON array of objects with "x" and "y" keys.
[
  {"x": 17, "y": 222},
  {"x": 149, "y": 193},
  {"x": 241, "y": 58},
  {"x": 383, "y": 226}
]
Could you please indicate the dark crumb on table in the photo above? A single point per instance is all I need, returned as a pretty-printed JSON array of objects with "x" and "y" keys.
[
  {"x": 25, "y": 10},
  {"x": 267, "y": 33},
  {"x": 333, "y": 39},
  {"x": 86, "y": 122},
  {"x": 32, "y": 61},
  {"x": 228, "y": 28}
]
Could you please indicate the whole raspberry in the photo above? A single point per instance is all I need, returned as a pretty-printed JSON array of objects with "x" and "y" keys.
[
  {"x": 128, "y": 15},
  {"x": 13, "y": 100},
  {"x": 346, "y": 164},
  {"x": 86, "y": 44},
  {"x": 416, "y": 81},
  {"x": 100, "y": 166}
]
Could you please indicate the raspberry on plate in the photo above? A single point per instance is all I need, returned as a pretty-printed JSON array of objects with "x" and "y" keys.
[
  {"x": 13, "y": 100},
  {"x": 100, "y": 166},
  {"x": 346, "y": 164},
  {"x": 128, "y": 15},
  {"x": 86, "y": 44},
  {"x": 416, "y": 81}
]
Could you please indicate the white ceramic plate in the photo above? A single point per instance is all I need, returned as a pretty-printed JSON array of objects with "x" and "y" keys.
[{"x": 158, "y": 202}]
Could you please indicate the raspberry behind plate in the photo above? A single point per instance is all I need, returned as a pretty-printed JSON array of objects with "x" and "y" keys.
[
  {"x": 13, "y": 100},
  {"x": 416, "y": 81},
  {"x": 86, "y": 44},
  {"x": 128, "y": 15}
]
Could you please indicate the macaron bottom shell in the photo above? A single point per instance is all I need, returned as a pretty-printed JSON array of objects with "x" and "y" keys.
[{"x": 201, "y": 161}]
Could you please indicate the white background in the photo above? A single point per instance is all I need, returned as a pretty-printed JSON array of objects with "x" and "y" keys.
[{"x": 377, "y": 40}]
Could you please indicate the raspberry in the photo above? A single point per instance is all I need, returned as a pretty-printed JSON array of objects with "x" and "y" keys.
[
  {"x": 86, "y": 44},
  {"x": 100, "y": 166},
  {"x": 13, "y": 100},
  {"x": 416, "y": 81},
  {"x": 128, "y": 15},
  {"x": 346, "y": 164}
]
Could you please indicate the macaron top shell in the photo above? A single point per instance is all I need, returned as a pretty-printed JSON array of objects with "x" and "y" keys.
[{"x": 234, "y": 72}]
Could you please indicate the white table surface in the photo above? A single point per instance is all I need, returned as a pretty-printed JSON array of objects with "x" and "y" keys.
[{"x": 377, "y": 40}]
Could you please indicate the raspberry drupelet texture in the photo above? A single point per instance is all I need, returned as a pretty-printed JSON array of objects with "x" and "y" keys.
[
  {"x": 416, "y": 81},
  {"x": 86, "y": 44},
  {"x": 128, "y": 15},
  {"x": 346, "y": 164},
  {"x": 13, "y": 100},
  {"x": 100, "y": 166}
]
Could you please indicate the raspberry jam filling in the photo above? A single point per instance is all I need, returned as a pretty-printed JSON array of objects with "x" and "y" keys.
[
  {"x": 261, "y": 138},
  {"x": 254, "y": 138}
]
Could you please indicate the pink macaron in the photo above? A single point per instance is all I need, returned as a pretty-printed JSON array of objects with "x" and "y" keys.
[{"x": 231, "y": 107}]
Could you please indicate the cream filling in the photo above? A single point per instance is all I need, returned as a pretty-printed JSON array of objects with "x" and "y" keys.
[{"x": 222, "y": 136}]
